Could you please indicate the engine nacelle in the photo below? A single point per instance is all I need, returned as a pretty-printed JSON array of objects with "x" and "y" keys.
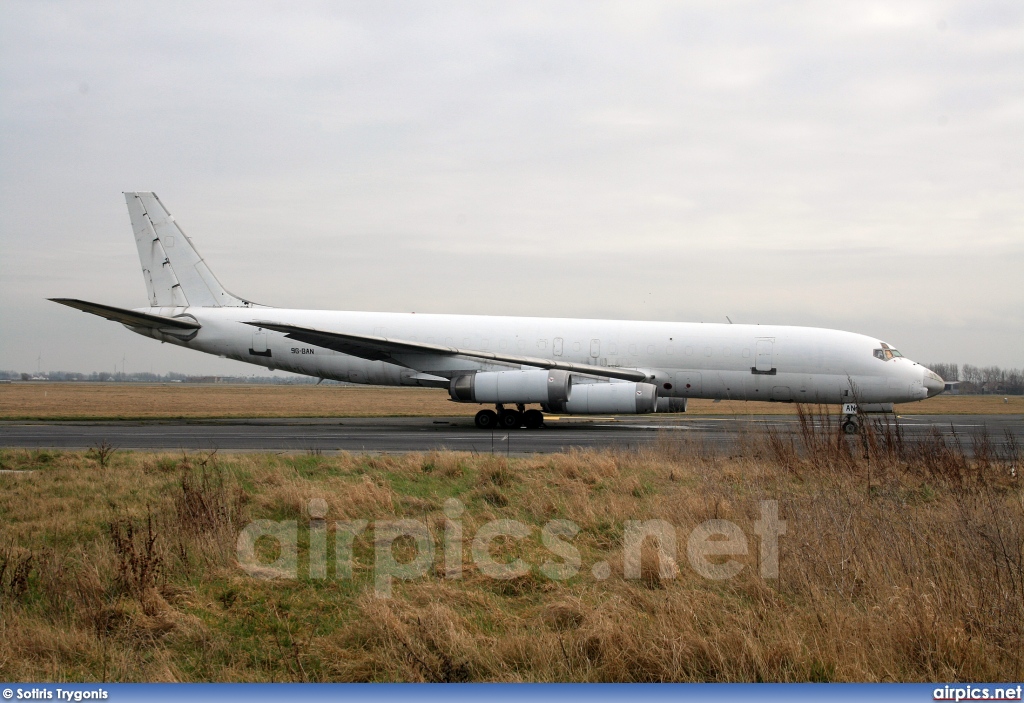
[
  {"x": 611, "y": 398},
  {"x": 672, "y": 405},
  {"x": 547, "y": 387}
]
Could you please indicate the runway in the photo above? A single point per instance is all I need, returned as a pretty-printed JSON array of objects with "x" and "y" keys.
[{"x": 425, "y": 434}]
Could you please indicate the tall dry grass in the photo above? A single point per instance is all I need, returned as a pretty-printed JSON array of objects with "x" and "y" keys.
[{"x": 903, "y": 560}]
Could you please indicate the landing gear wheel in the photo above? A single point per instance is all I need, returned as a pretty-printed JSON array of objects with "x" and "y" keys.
[
  {"x": 533, "y": 419},
  {"x": 509, "y": 419},
  {"x": 486, "y": 419},
  {"x": 850, "y": 427}
]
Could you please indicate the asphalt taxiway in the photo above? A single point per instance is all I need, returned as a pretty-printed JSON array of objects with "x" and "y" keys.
[{"x": 425, "y": 434}]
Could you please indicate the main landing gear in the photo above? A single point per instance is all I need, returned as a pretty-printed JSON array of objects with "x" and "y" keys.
[
  {"x": 533, "y": 419},
  {"x": 507, "y": 419}
]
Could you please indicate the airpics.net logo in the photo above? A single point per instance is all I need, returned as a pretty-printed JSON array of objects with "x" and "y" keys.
[
  {"x": 710, "y": 547},
  {"x": 971, "y": 692}
]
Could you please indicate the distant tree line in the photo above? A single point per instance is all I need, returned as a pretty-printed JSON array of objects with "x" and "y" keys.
[
  {"x": 145, "y": 377},
  {"x": 982, "y": 379}
]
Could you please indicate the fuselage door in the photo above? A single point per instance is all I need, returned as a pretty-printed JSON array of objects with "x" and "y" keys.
[
  {"x": 595, "y": 348},
  {"x": 763, "y": 360},
  {"x": 259, "y": 343},
  {"x": 556, "y": 346}
]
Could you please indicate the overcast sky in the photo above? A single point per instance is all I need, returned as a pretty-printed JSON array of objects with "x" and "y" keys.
[{"x": 854, "y": 165}]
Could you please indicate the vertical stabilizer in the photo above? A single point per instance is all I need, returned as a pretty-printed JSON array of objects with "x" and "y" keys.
[{"x": 175, "y": 273}]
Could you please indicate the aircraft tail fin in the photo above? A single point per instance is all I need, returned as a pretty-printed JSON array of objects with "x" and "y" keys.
[{"x": 175, "y": 273}]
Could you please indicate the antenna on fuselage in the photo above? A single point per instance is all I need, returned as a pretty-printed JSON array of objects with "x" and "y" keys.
[{"x": 727, "y": 318}]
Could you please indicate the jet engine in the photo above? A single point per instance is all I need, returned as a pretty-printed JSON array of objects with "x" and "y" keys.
[
  {"x": 611, "y": 398},
  {"x": 672, "y": 405},
  {"x": 547, "y": 387}
]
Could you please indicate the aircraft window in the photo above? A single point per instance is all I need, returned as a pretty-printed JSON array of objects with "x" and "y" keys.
[
  {"x": 879, "y": 354},
  {"x": 542, "y": 343},
  {"x": 894, "y": 352},
  {"x": 888, "y": 354}
]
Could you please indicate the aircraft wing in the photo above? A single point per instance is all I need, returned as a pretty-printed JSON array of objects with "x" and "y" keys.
[
  {"x": 131, "y": 318},
  {"x": 384, "y": 349}
]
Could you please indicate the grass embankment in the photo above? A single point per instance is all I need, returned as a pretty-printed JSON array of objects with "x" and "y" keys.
[
  {"x": 88, "y": 401},
  {"x": 907, "y": 565}
]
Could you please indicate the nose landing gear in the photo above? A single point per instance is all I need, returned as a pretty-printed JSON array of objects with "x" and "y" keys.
[{"x": 850, "y": 424}]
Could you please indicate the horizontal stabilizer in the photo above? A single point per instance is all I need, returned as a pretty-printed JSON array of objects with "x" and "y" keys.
[
  {"x": 384, "y": 349},
  {"x": 130, "y": 317}
]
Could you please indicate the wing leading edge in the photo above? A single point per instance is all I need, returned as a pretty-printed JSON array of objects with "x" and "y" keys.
[{"x": 384, "y": 349}]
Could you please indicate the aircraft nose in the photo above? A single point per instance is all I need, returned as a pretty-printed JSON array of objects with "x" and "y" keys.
[{"x": 933, "y": 383}]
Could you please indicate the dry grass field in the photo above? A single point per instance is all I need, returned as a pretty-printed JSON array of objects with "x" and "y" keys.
[
  {"x": 899, "y": 562},
  {"x": 55, "y": 401},
  {"x": 179, "y": 400}
]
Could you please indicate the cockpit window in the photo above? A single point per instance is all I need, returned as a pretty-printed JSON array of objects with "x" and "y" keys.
[{"x": 886, "y": 353}]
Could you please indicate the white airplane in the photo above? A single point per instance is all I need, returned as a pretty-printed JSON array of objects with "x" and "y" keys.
[{"x": 566, "y": 366}]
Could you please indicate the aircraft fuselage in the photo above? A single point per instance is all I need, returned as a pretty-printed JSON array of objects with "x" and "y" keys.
[{"x": 685, "y": 360}]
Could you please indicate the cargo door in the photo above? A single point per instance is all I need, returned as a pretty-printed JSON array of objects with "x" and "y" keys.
[
  {"x": 259, "y": 343},
  {"x": 763, "y": 358}
]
